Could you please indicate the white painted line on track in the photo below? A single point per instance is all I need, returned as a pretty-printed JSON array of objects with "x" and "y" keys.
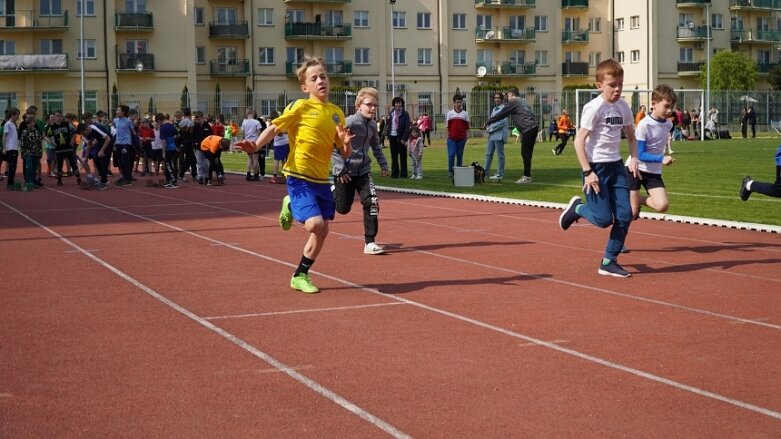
[
  {"x": 282, "y": 367},
  {"x": 299, "y": 311},
  {"x": 478, "y": 323}
]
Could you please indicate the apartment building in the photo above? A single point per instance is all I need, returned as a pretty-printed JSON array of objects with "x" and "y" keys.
[{"x": 150, "y": 50}]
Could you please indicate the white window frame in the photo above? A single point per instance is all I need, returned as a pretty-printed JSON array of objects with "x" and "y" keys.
[
  {"x": 50, "y": 48},
  {"x": 265, "y": 16},
  {"x": 265, "y": 56},
  {"x": 424, "y": 56},
  {"x": 226, "y": 15},
  {"x": 90, "y": 4},
  {"x": 90, "y": 49},
  {"x": 424, "y": 20},
  {"x": 541, "y": 23},
  {"x": 399, "y": 56},
  {"x": 595, "y": 24},
  {"x": 634, "y": 22},
  {"x": 7, "y": 47},
  {"x": 54, "y": 7},
  {"x": 484, "y": 22},
  {"x": 200, "y": 55},
  {"x": 295, "y": 15},
  {"x": 334, "y": 17},
  {"x": 459, "y": 57},
  {"x": 619, "y": 24},
  {"x": 541, "y": 57},
  {"x": 517, "y": 22},
  {"x": 685, "y": 55},
  {"x": 52, "y": 101},
  {"x": 620, "y": 57},
  {"x": 362, "y": 56},
  {"x": 634, "y": 56},
  {"x": 594, "y": 58},
  {"x": 199, "y": 16},
  {"x": 361, "y": 19},
  {"x": 459, "y": 21},
  {"x": 91, "y": 101},
  {"x": 717, "y": 21},
  {"x": 399, "y": 20}
]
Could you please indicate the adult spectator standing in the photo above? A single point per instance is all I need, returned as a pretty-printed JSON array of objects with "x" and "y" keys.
[
  {"x": 397, "y": 130},
  {"x": 744, "y": 123},
  {"x": 523, "y": 118},
  {"x": 751, "y": 115},
  {"x": 187, "y": 145},
  {"x": 123, "y": 144},
  {"x": 497, "y": 137}
]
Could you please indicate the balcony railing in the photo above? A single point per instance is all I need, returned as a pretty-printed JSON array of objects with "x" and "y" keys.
[
  {"x": 689, "y": 68},
  {"x": 755, "y": 36},
  {"x": 505, "y": 3},
  {"x": 33, "y": 20},
  {"x": 693, "y": 33},
  {"x": 130, "y": 61},
  {"x": 755, "y": 4},
  {"x": 318, "y": 30},
  {"x": 505, "y": 34},
  {"x": 231, "y": 67},
  {"x": 238, "y": 30},
  {"x": 567, "y": 4},
  {"x": 339, "y": 68},
  {"x": 133, "y": 21},
  {"x": 507, "y": 68},
  {"x": 572, "y": 68},
  {"x": 574, "y": 36},
  {"x": 764, "y": 68},
  {"x": 33, "y": 63},
  {"x": 690, "y": 3}
]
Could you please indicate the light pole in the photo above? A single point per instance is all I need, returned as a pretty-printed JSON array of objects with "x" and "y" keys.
[
  {"x": 81, "y": 49},
  {"x": 707, "y": 67},
  {"x": 393, "y": 52}
]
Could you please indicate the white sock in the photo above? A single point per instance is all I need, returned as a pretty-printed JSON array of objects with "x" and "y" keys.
[{"x": 748, "y": 185}]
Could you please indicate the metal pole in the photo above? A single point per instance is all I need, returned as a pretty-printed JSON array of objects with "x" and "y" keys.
[
  {"x": 81, "y": 44},
  {"x": 393, "y": 53},
  {"x": 707, "y": 73}
]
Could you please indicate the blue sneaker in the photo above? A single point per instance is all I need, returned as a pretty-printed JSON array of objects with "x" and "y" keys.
[
  {"x": 613, "y": 269},
  {"x": 570, "y": 214}
]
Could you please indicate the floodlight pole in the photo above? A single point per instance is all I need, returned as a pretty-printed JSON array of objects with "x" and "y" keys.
[
  {"x": 81, "y": 49},
  {"x": 707, "y": 70},
  {"x": 393, "y": 53}
]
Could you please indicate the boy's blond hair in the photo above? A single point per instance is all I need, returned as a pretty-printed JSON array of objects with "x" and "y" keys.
[
  {"x": 664, "y": 92},
  {"x": 309, "y": 62},
  {"x": 363, "y": 93},
  {"x": 609, "y": 67}
]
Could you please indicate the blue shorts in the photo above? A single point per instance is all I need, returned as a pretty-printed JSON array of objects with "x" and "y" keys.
[
  {"x": 281, "y": 152},
  {"x": 308, "y": 200}
]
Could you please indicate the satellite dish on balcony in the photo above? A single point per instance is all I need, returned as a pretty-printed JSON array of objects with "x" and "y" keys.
[
  {"x": 139, "y": 66},
  {"x": 481, "y": 71},
  {"x": 489, "y": 35}
]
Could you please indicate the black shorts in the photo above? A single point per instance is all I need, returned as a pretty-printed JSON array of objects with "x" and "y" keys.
[{"x": 649, "y": 181}]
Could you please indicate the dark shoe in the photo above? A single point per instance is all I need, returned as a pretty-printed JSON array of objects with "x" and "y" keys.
[
  {"x": 570, "y": 215},
  {"x": 59, "y": 182},
  {"x": 613, "y": 269},
  {"x": 249, "y": 176},
  {"x": 625, "y": 249},
  {"x": 745, "y": 193}
]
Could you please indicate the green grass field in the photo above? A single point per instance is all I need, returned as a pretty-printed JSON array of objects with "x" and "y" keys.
[{"x": 703, "y": 182}]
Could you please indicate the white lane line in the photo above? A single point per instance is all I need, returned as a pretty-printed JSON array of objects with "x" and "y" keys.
[
  {"x": 531, "y": 345},
  {"x": 77, "y": 251},
  {"x": 261, "y": 371},
  {"x": 230, "y": 243},
  {"x": 306, "y": 381},
  {"x": 553, "y": 346},
  {"x": 299, "y": 311}
]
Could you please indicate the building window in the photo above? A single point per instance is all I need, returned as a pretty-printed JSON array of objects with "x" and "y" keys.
[
  {"x": 361, "y": 19},
  {"x": 51, "y": 47},
  {"x": 541, "y": 23},
  {"x": 685, "y": 20},
  {"x": 634, "y": 22},
  {"x": 89, "y": 6},
  {"x": 517, "y": 22},
  {"x": 572, "y": 56},
  {"x": 634, "y": 56},
  {"x": 294, "y": 16},
  {"x": 595, "y": 24},
  {"x": 399, "y": 56},
  {"x": 518, "y": 57},
  {"x": 484, "y": 22},
  {"x": 266, "y": 55},
  {"x": 51, "y": 101},
  {"x": 7, "y": 100},
  {"x": 686, "y": 55},
  {"x": 7, "y": 47},
  {"x": 459, "y": 21},
  {"x": 135, "y": 5},
  {"x": 265, "y": 17},
  {"x": 620, "y": 57},
  {"x": 334, "y": 18},
  {"x": 51, "y": 7},
  {"x": 594, "y": 58},
  {"x": 198, "y": 16},
  {"x": 399, "y": 19},
  {"x": 717, "y": 21},
  {"x": 200, "y": 55},
  {"x": 459, "y": 57},
  {"x": 424, "y": 20},
  {"x": 91, "y": 101},
  {"x": 619, "y": 24},
  {"x": 89, "y": 49},
  {"x": 296, "y": 55},
  {"x": 226, "y": 15},
  {"x": 267, "y": 106},
  {"x": 334, "y": 55},
  {"x": 424, "y": 57},
  {"x": 362, "y": 55},
  {"x": 541, "y": 57}
]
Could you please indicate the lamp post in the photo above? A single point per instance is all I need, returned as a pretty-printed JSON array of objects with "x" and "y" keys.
[
  {"x": 393, "y": 52},
  {"x": 707, "y": 67},
  {"x": 81, "y": 49}
]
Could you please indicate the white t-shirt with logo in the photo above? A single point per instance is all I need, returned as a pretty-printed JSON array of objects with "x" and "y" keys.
[{"x": 605, "y": 120}]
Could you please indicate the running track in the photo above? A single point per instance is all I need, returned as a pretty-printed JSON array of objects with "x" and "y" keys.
[{"x": 144, "y": 312}]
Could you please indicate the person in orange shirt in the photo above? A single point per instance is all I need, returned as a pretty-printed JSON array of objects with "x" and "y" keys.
[
  {"x": 212, "y": 148},
  {"x": 565, "y": 130},
  {"x": 640, "y": 114}
]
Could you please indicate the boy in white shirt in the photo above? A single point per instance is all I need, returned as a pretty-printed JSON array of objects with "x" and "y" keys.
[{"x": 605, "y": 179}]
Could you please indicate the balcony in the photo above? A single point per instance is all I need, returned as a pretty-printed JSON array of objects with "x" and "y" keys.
[
  {"x": 574, "y": 4},
  {"x": 501, "y": 69},
  {"x": 133, "y": 21},
  {"x": 689, "y": 68},
  {"x": 767, "y": 5},
  {"x": 574, "y": 36},
  {"x": 740, "y": 36},
  {"x": 238, "y": 30},
  {"x": 34, "y": 21},
  {"x": 335, "y": 69},
  {"x": 765, "y": 68},
  {"x": 231, "y": 67},
  {"x": 572, "y": 68},
  {"x": 318, "y": 31},
  {"x": 524, "y": 4},
  {"x": 505, "y": 34},
  {"x": 693, "y": 33},
  {"x": 691, "y": 3},
  {"x": 33, "y": 63},
  {"x": 129, "y": 62}
]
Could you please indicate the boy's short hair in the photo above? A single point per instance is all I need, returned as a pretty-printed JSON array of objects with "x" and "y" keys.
[
  {"x": 160, "y": 117},
  {"x": 664, "y": 92},
  {"x": 514, "y": 91},
  {"x": 458, "y": 98},
  {"x": 309, "y": 62},
  {"x": 362, "y": 93},
  {"x": 225, "y": 144},
  {"x": 609, "y": 67}
]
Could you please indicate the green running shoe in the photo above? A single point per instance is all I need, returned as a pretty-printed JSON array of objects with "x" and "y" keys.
[
  {"x": 285, "y": 215},
  {"x": 302, "y": 282}
]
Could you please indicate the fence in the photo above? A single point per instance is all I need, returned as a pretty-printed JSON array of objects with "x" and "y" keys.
[{"x": 477, "y": 102}]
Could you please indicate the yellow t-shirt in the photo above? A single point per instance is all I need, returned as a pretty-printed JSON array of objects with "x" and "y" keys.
[{"x": 311, "y": 127}]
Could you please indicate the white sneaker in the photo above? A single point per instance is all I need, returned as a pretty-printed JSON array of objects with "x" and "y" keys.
[
  {"x": 412, "y": 177},
  {"x": 495, "y": 177},
  {"x": 373, "y": 249},
  {"x": 524, "y": 180},
  {"x": 419, "y": 177}
]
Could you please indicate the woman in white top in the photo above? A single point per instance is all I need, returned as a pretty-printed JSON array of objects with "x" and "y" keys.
[{"x": 11, "y": 143}]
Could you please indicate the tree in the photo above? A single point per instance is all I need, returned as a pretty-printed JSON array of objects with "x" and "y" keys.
[
  {"x": 774, "y": 77},
  {"x": 217, "y": 99},
  {"x": 114, "y": 103},
  {"x": 151, "y": 107},
  {"x": 730, "y": 71}
]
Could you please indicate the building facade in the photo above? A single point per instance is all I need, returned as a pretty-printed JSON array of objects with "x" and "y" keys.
[{"x": 222, "y": 55}]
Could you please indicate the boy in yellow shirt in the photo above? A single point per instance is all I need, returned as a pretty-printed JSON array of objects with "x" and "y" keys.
[{"x": 313, "y": 125}]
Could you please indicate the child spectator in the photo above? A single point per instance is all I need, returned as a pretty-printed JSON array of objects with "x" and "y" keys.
[
  {"x": 415, "y": 148},
  {"x": 30, "y": 147},
  {"x": 281, "y": 151},
  {"x": 168, "y": 136},
  {"x": 457, "y": 121},
  {"x": 566, "y": 129}
]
